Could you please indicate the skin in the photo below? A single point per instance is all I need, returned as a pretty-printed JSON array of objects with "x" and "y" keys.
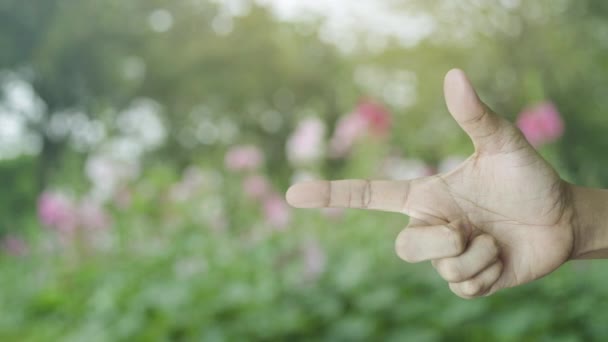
[{"x": 503, "y": 218}]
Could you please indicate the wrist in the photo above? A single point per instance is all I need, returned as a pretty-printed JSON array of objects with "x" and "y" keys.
[{"x": 590, "y": 224}]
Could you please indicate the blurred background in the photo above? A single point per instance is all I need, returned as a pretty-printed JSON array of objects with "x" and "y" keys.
[{"x": 145, "y": 147}]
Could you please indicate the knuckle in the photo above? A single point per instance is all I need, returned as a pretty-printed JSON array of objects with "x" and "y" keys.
[
  {"x": 455, "y": 288},
  {"x": 456, "y": 241},
  {"x": 449, "y": 270},
  {"x": 489, "y": 240},
  {"x": 406, "y": 194},
  {"x": 491, "y": 291},
  {"x": 490, "y": 243},
  {"x": 471, "y": 288},
  {"x": 359, "y": 193}
]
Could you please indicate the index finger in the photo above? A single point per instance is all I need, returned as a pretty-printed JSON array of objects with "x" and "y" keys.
[{"x": 360, "y": 194}]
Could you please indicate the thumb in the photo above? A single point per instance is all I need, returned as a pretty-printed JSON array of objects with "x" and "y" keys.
[{"x": 489, "y": 132}]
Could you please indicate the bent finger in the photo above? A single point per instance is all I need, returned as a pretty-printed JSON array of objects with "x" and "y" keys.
[
  {"x": 481, "y": 252},
  {"x": 416, "y": 244},
  {"x": 480, "y": 284}
]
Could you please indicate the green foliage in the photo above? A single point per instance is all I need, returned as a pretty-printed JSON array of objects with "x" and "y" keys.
[
  {"x": 18, "y": 210},
  {"x": 168, "y": 277}
]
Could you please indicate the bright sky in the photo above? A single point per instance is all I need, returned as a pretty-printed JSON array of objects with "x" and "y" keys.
[{"x": 343, "y": 17}]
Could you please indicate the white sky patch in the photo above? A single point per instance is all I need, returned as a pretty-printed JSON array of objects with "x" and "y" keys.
[{"x": 346, "y": 18}]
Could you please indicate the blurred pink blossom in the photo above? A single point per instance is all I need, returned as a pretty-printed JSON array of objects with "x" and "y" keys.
[
  {"x": 14, "y": 245},
  {"x": 57, "y": 210},
  {"x": 243, "y": 158},
  {"x": 348, "y": 130},
  {"x": 256, "y": 187},
  {"x": 368, "y": 117},
  {"x": 541, "y": 124},
  {"x": 305, "y": 145},
  {"x": 315, "y": 259},
  {"x": 276, "y": 211},
  {"x": 377, "y": 117}
]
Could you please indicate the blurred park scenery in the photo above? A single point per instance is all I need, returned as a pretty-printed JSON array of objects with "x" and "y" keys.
[{"x": 145, "y": 147}]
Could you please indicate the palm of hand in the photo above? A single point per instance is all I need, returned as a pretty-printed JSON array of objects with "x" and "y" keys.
[
  {"x": 501, "y": 219},
  {"x": 517, "y": 198}
]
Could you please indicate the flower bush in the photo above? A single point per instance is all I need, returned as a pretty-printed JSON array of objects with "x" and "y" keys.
[{"x": 216, "y": 255}]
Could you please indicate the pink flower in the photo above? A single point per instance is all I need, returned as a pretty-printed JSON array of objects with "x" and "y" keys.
[
  {"x": 276, "y": 211},
  {"x": 377, "y": 117},
  {"x": 256, "y": 187},
  {"x": 243, "y": 158},
  {"x": 348, "y": 130},
  {"x": 57, "y": 211},
  {"x": 541, "y": 124},
  {"x": 14, "y": 245},
  {"x": 305, "y": 145},
  {"x": 368, "y": 117}
]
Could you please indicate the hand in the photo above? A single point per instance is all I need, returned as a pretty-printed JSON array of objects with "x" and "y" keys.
[{"x": 502, "y": 218}]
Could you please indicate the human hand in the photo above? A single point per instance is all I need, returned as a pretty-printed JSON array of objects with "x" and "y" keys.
[{"x": 503, "y": 218}]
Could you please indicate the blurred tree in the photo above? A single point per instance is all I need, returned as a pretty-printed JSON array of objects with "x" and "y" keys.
[
  {"x": 202, "y": 65},
  {"x": 222, "y": 76}
]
